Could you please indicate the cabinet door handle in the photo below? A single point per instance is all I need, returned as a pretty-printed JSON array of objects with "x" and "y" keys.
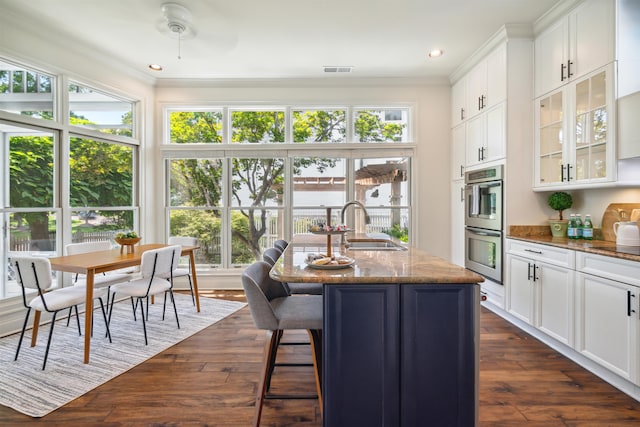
[
  {"x": 482, "y": 99},
  {"x": 528, "y": 271},
  {"x": 462, "y": 194},
  {"x": 462, "y": 114},
  {"x": 629, "y": 309},
  {"x": 461, "y": 170},
  {"x": 569, "y": 167},
  {"x": 569, "y": 73},
  {"x": 562, "y": 67},
  {"x": 535, "y": 273},
  {"x": 533, "y": 251},
  {"x": 482, "y": 152},
  {"x": 479, "y": 158},
  {"x": 561, "y": 173}
]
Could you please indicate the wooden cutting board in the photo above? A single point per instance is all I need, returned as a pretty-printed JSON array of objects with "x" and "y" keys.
[{"x": 616, "y": 212}]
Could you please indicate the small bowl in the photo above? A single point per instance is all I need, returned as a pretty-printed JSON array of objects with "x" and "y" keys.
[{"x": 129, "y": 242}]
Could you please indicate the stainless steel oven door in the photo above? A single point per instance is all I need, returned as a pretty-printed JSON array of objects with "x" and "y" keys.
[
  {"x": 483, "y": 252},
  {"x": 483, "y": 205}
]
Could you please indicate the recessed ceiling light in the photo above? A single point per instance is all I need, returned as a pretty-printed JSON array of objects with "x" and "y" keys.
[
  {"x": 435, "y": 53},
  {"x": 155, "y": 67}
]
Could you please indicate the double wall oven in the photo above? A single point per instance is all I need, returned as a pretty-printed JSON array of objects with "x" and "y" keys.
[{"x": 483, "y": 222}]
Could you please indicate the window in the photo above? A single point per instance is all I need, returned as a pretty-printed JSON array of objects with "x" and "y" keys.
[
  {"x": 26, "y": 92},
  {"x": 258, "y": 183},
  {"x": 95, "y": 110},
  {"x": 381, "y": 125},
  {"x": 319, "y": 125},
  {"x": 257, "y": 126},
  {"x": 195, "y": 127},
  {"x": 37, "y": 211}
]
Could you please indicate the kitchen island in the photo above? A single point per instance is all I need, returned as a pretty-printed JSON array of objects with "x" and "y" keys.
[{"x": 400, "y": 337}]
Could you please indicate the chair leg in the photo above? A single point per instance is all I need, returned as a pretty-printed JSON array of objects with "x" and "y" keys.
[
  {"x": 272, "y": 341},
  {"x": 144, "y": 325},
  {"x": 164, "y": 304},
  {"x": 193, "y": 297},
  {"x": 78, "y": 319},
  {"x": 274, "y": 356},
  {"x": 104, "y": 316},
  {"x": 175, "y": 310},
  {"x": 46, "y": 352},
  {"x": 315, "y": 336},
  {"x": 135, "y": 307},
  {"x": 69, "y": 316},
  {"x": 24, "y": 327}
]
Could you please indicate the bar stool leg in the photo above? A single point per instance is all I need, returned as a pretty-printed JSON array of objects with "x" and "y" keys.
[{"x": 269, "y": 353}]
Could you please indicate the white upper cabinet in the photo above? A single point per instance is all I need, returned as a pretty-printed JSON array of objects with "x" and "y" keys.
[
  {"x": 486, "y": 83},
  {"x": 486, "y": 136},
  {"x": 575, "y": 45},
  {"x": 575, "y": 133},
  {"x": 458, "y": 103},
  {"x": 458, "y": 144}
]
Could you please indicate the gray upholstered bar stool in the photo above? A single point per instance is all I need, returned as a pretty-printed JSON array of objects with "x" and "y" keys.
[
  {"x": 281, "y": 244},
  {"x": 271, "y": 255},
  {"x": 275, "y": 311}
]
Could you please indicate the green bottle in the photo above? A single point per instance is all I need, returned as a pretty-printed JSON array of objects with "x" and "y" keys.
[
  {"x": 587, "y": 228},
  {"x": 572, "y": 231},
  {"x": 579, "y": 226}
]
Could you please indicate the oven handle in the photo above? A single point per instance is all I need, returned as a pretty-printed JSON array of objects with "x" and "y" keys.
[{"x": 483, "y": 233}]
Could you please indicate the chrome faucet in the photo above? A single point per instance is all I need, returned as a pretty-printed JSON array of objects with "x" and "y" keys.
[{"x": 367, "y": 218}]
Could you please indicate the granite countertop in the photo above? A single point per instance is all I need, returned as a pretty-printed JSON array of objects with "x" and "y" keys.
[
  {"x": 542, "y": 235},
  {"x": 376, "y": 266}
]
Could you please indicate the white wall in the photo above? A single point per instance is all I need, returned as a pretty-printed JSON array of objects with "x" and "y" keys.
[{"x": 431, "y": 115}]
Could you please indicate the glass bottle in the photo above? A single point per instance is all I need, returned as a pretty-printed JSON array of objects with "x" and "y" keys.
[
  {"x": 579, "y": 226},
  {"x": 572, "y": 231},
  {"x": 587, "y": 228}
]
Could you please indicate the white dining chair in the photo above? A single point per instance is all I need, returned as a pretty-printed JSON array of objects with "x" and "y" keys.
[
  {"x": 103, "y": 280},
  {"x": 34, "y": 273},
  {"x": 181, "y": 271},
  {"x": 156, "y": 277}
]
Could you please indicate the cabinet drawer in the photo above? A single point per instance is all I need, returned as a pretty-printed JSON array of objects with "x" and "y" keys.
[
  {"x": 549, "y": 254},
  {"x": 618, "y": 269}
]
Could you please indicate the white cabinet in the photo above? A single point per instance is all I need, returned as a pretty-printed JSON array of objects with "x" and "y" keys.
[
  {"x": 486, "y": 136},
  {"x": 458, "y": 144},
  {"x": 575, "y": 133},
  {"x": 575, "y": 45},
  {"x": 607, "y": 324},
  {"x": 458, "y": 103},
  {"x": 486, "y": 83},
  {"x": 540, "y": 288},
  {"x": 457, "y": 222}
]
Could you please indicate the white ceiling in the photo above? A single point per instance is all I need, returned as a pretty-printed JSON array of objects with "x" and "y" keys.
[{"x": 256, "y": 39}]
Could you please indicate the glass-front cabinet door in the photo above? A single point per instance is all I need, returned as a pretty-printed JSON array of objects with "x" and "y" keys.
[
  {"x": 591, "y": 128},
  {"x": 574, "y": 135},
  {"x": 550, "y": 135}
]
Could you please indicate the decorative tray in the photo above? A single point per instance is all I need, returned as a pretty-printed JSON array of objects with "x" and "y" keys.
[{"x": 333, "y": 265}]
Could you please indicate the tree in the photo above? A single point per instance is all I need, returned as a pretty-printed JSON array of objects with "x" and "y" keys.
[
  {"x": 257, "y": 182},
  {"x": 31, "y": 180}
]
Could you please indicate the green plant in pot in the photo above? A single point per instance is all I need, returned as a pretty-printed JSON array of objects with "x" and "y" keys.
[{"x": 559, "y": 201}]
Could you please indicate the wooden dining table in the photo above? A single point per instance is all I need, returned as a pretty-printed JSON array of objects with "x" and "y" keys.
[{"x": 92, "y": 263}]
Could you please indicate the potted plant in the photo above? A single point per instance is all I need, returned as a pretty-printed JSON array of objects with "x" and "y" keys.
[{"x": 559, "y": 201}]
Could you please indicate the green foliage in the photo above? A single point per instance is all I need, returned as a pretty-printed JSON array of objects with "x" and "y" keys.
[
  {"x": 399, "y": 232},
  {"x": 194, "y": 127},
  {"x": 560, "y": 201},
  {"x": 370, "y": 128},
  {"x": 127, "y": 235},
  {"x": 257, "y": 126}
]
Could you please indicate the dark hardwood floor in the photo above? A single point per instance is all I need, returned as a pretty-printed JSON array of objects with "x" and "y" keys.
[{"x": 210, "y": 379}]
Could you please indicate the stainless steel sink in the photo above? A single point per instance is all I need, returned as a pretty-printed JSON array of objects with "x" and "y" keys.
[{"x": 374, "y": 245}]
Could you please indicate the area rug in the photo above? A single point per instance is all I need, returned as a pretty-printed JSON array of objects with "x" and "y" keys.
[{"x": 27, "y": 389}]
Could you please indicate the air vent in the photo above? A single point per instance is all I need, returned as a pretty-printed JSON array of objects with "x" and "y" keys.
[{"x": 336, "y": 69}]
